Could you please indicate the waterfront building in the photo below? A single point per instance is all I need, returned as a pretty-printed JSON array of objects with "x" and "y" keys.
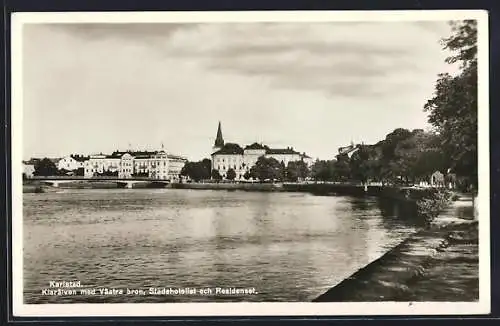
[
  {"x": 72, "y": 162},
  {"x": 227, "y": 156},
  {"x": 101, "y": 164},
  {"x": 132, "y": 164},
  {"x": 126, "y": 167}
]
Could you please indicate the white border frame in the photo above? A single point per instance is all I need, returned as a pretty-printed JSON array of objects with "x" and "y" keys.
[{"x": 249, "y": 309}]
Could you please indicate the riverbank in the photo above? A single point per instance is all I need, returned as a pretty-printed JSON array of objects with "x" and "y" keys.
[
  {"x": 408, "y": 194},
  {"x": 230, "y": 186},
  {"x": 437, "y": 264}
]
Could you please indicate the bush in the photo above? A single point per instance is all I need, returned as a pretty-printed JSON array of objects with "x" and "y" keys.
[{"x": 430, "y": 207}]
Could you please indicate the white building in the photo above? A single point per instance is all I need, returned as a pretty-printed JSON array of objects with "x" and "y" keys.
[
  {"x": 101, "y": 164},
  {"x": 135, "y": 164},
  {"x": 227, "y": 156},
  {"x": 72, "y": 162}
]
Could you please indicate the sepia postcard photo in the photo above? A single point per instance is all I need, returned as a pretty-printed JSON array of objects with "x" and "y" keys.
[{"x": 250, "y": 163}]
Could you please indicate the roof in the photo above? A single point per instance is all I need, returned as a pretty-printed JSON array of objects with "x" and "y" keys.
[
  {"x": 114, "y": 155},
  {"x": 235, "y": 149},
  {"x": 228, "y": 149},
  {"x": 281, "y": 151},
  {"x": 79, "y": 158},
  {"x": 256, "y": 146},
  {"x": 176, "y": 157},
  {"x": 141, "y": 154}
]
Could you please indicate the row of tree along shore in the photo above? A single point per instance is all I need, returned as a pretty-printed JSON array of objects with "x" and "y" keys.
[{"x": 403, "y": 158}]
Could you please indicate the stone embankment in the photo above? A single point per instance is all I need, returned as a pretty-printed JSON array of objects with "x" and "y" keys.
[
  {"x": 230, "y": 186},
  {"x": 436, "y": 264}
]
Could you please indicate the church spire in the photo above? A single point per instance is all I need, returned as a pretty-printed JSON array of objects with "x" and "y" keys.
[{"x": 219, "y": 141}]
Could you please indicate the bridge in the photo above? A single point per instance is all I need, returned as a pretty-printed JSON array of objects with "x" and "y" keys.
[{"x": 55, "y": 181}]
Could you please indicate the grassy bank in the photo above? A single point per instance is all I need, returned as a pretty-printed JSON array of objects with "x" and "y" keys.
[
  {"x": 436, "y": 264},
  {"x": 230, "y": 186},
  {"x": 346, "y": 189},
  {"x": 321, "y": 189}
]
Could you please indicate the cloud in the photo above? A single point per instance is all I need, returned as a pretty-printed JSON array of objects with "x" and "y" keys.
[
  {"x": 312, "y": 86},
  {"x": 344, "y": 59}
]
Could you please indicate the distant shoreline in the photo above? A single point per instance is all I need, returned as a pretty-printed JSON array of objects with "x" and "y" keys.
[{"x": 406, "y": 194}]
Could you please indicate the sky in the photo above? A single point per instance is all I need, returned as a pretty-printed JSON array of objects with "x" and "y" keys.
[{"x": 90, "y": 88}]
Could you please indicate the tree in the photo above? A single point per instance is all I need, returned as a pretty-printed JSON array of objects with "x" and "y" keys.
[
  {"x": 247, "y": 175},
  {"x": 282, "y": 171},
  {"x": 267, "y": 169},
  {"x": 206, "y": 168},
  {"x": 453, "y": 109},
  {"x": 197, "y": 170},
  {"x": 363, "y": 164},
  {"x": 296, "y": 170},
  {"x": 216, "y": 175},
  {"x": 231, "y": 174},
  {"x": 323, "y": 170},
  {"x": 341, "y": 169},
  {"x": 420, "y": 155},
  {"x": 389, "y": 165},
  {"x": 45, "y": 167}
]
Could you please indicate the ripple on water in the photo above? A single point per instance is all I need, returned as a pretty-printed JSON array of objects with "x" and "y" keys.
[{"x": 289, "y": 246}]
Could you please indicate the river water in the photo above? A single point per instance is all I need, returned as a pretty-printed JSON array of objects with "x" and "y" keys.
[{"x": 286, "y": 246}]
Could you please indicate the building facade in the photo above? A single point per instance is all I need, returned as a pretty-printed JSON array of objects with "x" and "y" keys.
[
  {"x": 72, "y": 162},
  {"x": 227, "y": 156},
  {"x": 101, "y": 164},
  {"x": 136, "y": 164}
]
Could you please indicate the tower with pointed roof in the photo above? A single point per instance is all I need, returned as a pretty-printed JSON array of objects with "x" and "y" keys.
[{"x": 219, "y": 140}]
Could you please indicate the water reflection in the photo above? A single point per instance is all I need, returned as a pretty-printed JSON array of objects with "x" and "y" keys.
[
  {"x": 289, "y": 246},
  {"x": 404, "y": 212}
]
